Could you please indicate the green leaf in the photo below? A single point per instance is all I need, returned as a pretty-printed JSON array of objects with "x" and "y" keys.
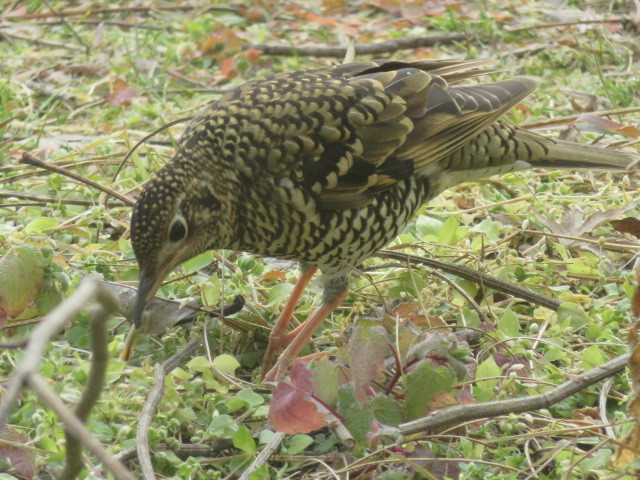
[
  {"x": 593, "y": 357},
  {"x": 226, "y": 363},
  {"x": 243, "y": 440},
  {"x": 222, "y": 425},
  {"x": 483, "y": 389},
  {"x": 428, "y": 226},
  {"x": 199, "y": 364},
  {"x": 211, "y": 290},
  {"x": 198, "y": 262},
  {"x": 21, "y": 275},
  {"x": 422, "y": 383},
  {"x": 448, "y": 232},
  {"x": 509, "y": 324},
  {"x": 41, "y": 223},
  {"x": 471, "y": 317},
  {"x": 490, "y": 228},
  {"x": 357, "y": 420},
  {"x": 325, "y": 378},
  {"x": 387, "y": 410},
  {"x": 279, "y": 293},
  {"x": 572, "y": 314},
  {"x": 250, "y": 397},
  {"x": 298, "y": 443}
]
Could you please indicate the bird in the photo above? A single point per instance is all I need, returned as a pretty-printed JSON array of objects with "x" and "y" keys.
[{"x": 328, "y": 165}]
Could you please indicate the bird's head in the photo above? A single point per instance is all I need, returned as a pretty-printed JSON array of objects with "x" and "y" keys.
[{"x": 178, "y": 215}]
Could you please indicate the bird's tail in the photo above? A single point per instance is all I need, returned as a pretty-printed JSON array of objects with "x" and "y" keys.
[{"x": 558, "y": 154}]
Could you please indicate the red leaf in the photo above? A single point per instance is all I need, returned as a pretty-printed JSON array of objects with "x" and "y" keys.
[
  {"x": 252, "y": 55},
  {"x": 228, "y": 68},
  {"x": 366, "y": 357},
  {"x": 292, "y": 408},
  {"x": 21, "y": 459}
]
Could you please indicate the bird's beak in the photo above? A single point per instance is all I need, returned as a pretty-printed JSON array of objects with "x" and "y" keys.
[
  {"x": 147, "y": 288},
  {"x": 148, "y": 284}
]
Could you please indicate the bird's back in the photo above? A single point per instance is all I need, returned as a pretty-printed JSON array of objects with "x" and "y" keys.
[{"x": 330, "y": 164}]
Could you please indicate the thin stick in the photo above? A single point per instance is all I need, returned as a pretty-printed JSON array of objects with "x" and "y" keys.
[
  {"x": 571, "y": 118},
  {"x": 268, "y": 450},
  {"x": 459, "y": 414},
  {"x": 31, "y": 160},
  {"x": 144, "y": 139},
  {"x": 616, "y": 19},
  {"x": 389, "y": 46},
  {"x": 52, "y": 199},
  {"x": 476, "y": 277},
  {"x": 151, "y": 405},
  {"x": 73, "y": 12},
  {"x": 91, "y": 392}
]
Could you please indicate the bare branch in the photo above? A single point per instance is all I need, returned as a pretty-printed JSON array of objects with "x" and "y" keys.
[
  {"x": 151, "y": 405},
  {"x": 92, "y": 390},
  {"x": 459, "y": 414},
  {"x": 31, "y": 160},
  {"x": 474, "y": 276},
  {"x": 378, "y": 48}
]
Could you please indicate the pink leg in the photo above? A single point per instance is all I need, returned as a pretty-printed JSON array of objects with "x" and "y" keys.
[
  {"x": 301, "y": 336},
  {"x": 279, "y": 339}
]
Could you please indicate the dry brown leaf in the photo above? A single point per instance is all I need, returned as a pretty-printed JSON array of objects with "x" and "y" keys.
[{"x": 274, "y": 275}]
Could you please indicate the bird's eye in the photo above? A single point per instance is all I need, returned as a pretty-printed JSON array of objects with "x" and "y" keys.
[{"x": 178, "y": 230}]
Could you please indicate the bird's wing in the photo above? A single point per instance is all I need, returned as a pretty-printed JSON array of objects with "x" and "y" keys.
[{"x": 399, "y": 118}]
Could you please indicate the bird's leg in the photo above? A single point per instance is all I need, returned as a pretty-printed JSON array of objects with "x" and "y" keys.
[
  {"x": 334, "y": 294},
  {"x": 279, "y": 339}
]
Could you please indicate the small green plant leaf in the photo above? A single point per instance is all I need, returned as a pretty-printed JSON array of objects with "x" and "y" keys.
[{"x": 243, "y": 440}]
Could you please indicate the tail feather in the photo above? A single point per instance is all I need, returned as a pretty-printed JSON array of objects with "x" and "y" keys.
[{"x": 559, "y": 154}]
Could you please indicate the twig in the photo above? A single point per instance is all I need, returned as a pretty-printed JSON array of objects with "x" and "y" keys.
[
  {"x": 389, "y": 46},
  {"x": 538, "y": 26},
  {"x": 184, "y": 451},
  {"x": 264, "y": 455},
  {"x": 459, "y": 414},
  {"x": 564, "y": 120},
  {"x": 31, "y": 160},
  {"x": 476, "y": 277},
  {"x": 124, "y": 25},
  {"x": 4, "y": 32},
  {"x": 52, "y": 199},
  {"x": 144, "y": 139},
  {"x": 151, "y": 405},
  {"x": 86, "y": 12},
  {"x": 92, "y": 390},
  {"x": 612, "y": 246},
  {"x": 602, "y": 407}
]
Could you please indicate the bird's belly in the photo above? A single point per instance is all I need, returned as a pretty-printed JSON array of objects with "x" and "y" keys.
[{"x": 335, "y": 240}]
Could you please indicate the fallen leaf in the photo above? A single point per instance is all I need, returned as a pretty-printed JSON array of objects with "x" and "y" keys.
[
  {"x": 367, "y": 348},
  {"x": 627, "y": 225},
  {"x": 252, "y": 55},
  {"x": 274, "y": 275},
  {"x": 122, "y": 96},
  {"x": 21, "y": 459},
  {"x": 292, "y": 409}
]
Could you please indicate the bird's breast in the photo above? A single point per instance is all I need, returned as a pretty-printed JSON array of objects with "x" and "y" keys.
[{"x": 289, "y": 223}]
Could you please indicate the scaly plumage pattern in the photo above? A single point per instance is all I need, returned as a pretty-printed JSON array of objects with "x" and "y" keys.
[{"x": 326, "y": 166}]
